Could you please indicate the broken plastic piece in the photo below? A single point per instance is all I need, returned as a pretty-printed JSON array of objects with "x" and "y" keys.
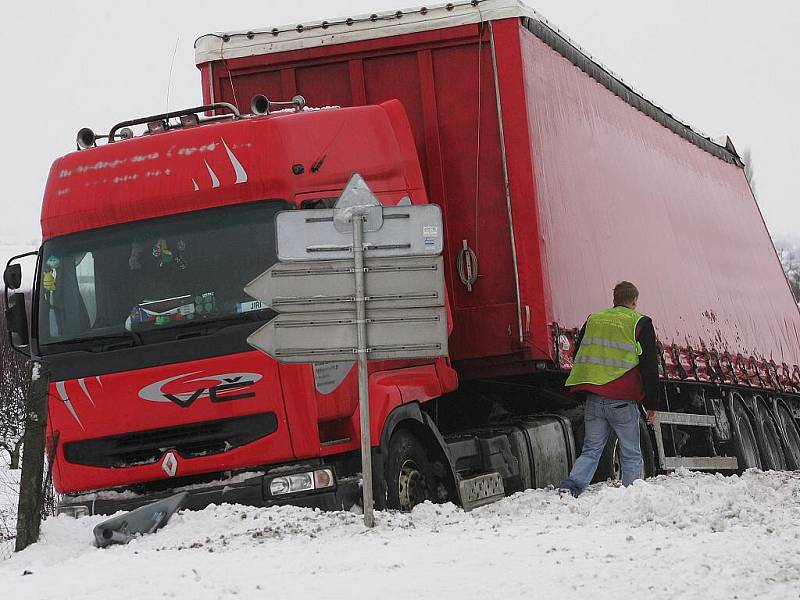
[{"x": 145, "y": 519}]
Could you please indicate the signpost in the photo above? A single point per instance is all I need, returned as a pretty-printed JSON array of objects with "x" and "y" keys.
[{"x": 358, "y": 279}]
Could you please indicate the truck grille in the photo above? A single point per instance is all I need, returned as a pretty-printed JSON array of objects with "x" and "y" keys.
[{"x": 190, "y": 441}]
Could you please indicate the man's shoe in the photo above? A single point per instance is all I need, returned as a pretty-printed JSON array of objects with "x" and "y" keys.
[{"x": 567, "y": 487}]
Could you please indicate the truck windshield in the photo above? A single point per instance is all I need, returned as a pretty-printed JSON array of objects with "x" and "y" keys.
[{"x": 165, "y": 273}]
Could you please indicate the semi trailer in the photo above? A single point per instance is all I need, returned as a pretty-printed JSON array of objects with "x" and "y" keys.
[{"x": 555, "y": 179}]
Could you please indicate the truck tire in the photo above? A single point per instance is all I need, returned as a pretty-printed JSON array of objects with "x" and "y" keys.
[
  {"x": 744, "y": 437},
  {"x": 409, "y": 475},
  {"x": 768, "y": 437},
  {"x": 790, "y": 434},
  {"x": 609, "y": 465}
]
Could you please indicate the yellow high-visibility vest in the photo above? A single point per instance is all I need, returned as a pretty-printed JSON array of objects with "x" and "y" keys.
[{"x": 608, "y": 349}]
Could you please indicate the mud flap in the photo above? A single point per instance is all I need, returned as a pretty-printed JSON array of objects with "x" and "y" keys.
[{"x": 145, "y": 519}]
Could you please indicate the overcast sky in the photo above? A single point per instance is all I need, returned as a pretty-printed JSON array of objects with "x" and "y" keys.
[{"x": 725, "y": 66}]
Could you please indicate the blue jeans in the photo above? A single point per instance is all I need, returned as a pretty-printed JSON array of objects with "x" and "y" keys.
[{"x": 600, "y": 416}]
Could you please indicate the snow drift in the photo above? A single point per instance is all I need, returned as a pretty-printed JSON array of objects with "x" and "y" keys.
[{"x": 687, "y": 535}]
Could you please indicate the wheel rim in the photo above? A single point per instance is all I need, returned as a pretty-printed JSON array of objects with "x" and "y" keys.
[
  {"x": 413, "y": 488},
  {"x": 790, "y": 435},
  {"x": 747, "y": 439}
]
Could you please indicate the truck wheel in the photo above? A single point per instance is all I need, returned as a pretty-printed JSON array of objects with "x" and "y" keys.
[
  {"x": 744, "y": 438},
  {"x": 768, "y": 437},
  {"x": 610, "y": 465},
  {"x": 409, "y": 475},
  {"x": 790, "y": 434}
]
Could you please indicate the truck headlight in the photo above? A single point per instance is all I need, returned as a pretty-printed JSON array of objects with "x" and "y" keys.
[
  {"x": 301, "y": 482},
  {"x": 278, "y": 486}
]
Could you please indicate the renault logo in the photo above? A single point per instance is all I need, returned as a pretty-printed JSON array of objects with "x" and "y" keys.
[{"x": 170, "y": 464}]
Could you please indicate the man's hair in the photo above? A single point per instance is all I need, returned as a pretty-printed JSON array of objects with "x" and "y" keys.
[{"x": 625, "y": 293}]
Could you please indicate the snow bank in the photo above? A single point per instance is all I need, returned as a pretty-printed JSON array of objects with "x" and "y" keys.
[{"x": 686, "y": 535}]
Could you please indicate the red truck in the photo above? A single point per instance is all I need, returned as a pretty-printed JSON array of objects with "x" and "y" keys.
[{"x": 555, "y": 179}]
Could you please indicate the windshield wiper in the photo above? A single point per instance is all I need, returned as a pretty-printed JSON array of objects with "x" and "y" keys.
[
  {"x": 103, "y": 343},
  {"x": 176, "y": 331},
  {"x": 212, "y": 325}
]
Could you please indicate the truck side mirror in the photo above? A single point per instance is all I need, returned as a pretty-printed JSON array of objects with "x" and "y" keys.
[
  {"x": 17, "y": 321},
  {"x": 16, "y": 304},
  {"x": 12, "y": 276}
]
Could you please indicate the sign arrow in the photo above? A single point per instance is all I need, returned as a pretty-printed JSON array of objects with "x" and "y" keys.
[{"x": 400, "y": 283}]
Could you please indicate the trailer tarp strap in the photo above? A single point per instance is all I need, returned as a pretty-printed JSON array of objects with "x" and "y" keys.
[{"x": 506, "y": 186}]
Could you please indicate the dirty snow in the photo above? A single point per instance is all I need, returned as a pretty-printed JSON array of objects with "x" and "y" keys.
[{"x": 686, "y": 535}]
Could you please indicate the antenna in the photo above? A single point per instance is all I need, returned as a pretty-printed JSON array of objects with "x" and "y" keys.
[{"x": 171, "y": 65}]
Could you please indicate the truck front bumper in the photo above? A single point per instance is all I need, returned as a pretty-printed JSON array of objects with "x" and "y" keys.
[{"x": 251, "y": 489}]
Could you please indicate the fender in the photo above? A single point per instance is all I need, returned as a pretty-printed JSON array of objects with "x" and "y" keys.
[{"x": 404, "y": 413}]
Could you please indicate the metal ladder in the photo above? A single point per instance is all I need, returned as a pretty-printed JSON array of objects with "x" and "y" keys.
[{"x": 697, "y": 463}]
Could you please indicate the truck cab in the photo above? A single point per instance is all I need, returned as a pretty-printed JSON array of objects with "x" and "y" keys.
[{"x": 141, "y": 316}]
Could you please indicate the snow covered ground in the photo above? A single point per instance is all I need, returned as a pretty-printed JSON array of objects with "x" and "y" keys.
[{"x": 682, "y": 536}]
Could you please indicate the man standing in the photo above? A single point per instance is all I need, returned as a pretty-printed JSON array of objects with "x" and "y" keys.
[{"x": 616, "y": 365}]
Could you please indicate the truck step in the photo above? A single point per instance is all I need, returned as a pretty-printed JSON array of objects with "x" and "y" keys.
[
  {"x": 700, "y": 463},
  {"x": 695, "y": 463},
  {"x": 673, "y": 418},
  {"x": 480, "y": 490}
]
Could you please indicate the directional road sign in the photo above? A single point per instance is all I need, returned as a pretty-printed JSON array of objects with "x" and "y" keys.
[
  {"x": 415, "y": 282},
  {"x": 358, "y": 281},
  {"x": 414, "y": 230},
  {"x": 319, "y": 337}
]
